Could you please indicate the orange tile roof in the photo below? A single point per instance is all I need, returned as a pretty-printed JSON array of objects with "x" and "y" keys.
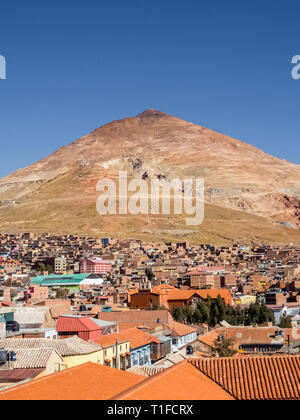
[
  {"x": 122, "y": 326},
  {"x": 85, "y": 382},
  {"x": 180, "y": 329},
  {"x": 180, "y": 382},
  {"x": 136, "y": 337},
  {"x": 255, "y": 378},
  {"x": 172, "y": 293},
  {"x": 178, "y": 294},
  {"x": 162, "y": 289},
  {"x": 210, "y": 337}
]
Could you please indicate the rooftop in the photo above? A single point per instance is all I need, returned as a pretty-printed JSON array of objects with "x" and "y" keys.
[
  {"x": 136, "y": 337},
  {"x": 181, "y": 382},
  {"x": 72, "y": 346},
  {"x": 85, "y": 382},
  {"x": 255, "y": 378}
]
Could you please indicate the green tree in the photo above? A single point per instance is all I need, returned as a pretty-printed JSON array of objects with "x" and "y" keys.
[
  {"x": 40, "y": 266},
  {"x": 224, "y": 348},
  {"x": 204, "y": 311},
  {"x": 177, "y": 313},
  {"x": 49, "y": 269},
  {"x": 197, "y": 316},
  {"x": 188, "y": 314},
  {"x": 285, "y": 322}
]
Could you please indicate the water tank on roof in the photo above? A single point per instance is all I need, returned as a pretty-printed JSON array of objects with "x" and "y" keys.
[
  {"x": 12, "y": 356},
  {"x": 220, "y": 338},
  {"x": 107, "y": 309},
  {"x": 189, "y": 350}
]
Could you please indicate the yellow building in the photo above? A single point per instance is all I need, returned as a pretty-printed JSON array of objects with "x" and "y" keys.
[
  {"x": 111, "y": 356},
  {"x": 56, "y": 355},
  {"x": 77, "y": 352},
  {"x": 245, "y": 299}
]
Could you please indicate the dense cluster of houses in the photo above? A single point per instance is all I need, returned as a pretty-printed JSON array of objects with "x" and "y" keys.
[{"x": 103, "y": 308}]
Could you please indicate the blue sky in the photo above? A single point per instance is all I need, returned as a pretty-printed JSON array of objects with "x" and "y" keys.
[{"x": 73, "y": 66}]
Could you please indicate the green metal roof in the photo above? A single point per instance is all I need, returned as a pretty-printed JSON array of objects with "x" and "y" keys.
[{"x": 59, "y": 280}]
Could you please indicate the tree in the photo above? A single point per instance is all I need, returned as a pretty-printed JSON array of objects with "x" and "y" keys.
[
  {"x": 224, "y": 347},
  {"x": 204, "y": 311},
  {"x": 41, "y": 267},
  {"x": 197, "y": 317},
  {"x": 177, "y": 313},
  {"x": 285, "y": 322},
  {"x": 187, "y": 312},
  {"x": 259, "y": 313},
  {"x": 49, "y": 269}
]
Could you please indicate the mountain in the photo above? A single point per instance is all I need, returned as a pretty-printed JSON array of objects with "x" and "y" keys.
[{"x": 250, "y": 195}]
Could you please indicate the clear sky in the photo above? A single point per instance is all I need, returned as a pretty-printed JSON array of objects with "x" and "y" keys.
[{"x": 75, "y": 65}]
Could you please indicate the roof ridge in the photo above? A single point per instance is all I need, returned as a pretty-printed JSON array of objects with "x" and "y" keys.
[{"x": 140, "y": 385}]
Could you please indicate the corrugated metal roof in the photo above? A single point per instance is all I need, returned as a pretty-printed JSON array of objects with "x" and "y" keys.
[
  {"x": 32, "y": 358},
  {"x": 73, "y": 279},
  {"x": 72, "y": 346}
]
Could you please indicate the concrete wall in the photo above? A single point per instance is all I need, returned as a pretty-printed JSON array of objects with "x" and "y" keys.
[{"x": 2, "y": 330}]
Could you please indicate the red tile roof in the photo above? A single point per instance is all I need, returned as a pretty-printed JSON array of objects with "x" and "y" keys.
[
  {"x": 255, "y": 378},
  {"x": 71, "y": 323}
]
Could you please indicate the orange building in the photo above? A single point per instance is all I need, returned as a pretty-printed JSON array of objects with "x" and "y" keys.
[{"x": 168, "y": 297}]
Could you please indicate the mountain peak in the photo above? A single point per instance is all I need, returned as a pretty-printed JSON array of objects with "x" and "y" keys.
[{"x": 152, "y": 113}]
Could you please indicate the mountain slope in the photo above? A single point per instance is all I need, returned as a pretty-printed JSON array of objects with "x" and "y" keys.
[{"x": 248, "y": 192}]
